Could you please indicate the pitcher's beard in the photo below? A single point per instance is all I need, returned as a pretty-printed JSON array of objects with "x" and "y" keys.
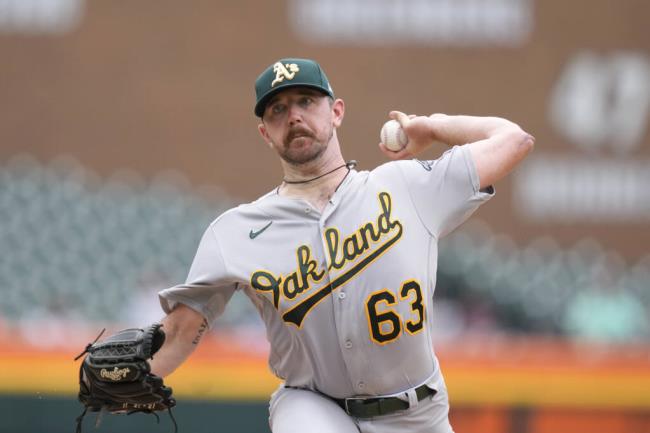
[{"x": 305, "y": 154}]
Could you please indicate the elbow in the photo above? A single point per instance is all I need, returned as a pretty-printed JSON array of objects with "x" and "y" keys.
[
  {"x": 522, "y": 143},
  {"x": 527, "y": 142}
]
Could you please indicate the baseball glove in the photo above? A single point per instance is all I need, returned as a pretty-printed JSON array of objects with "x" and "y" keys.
[{"x": 115, "y": 376}]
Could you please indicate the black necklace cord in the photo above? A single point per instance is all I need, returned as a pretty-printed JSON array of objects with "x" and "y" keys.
[{"x": 349, "y": 165}]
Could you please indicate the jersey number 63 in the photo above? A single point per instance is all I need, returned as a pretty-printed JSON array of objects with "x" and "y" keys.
[{"x": 385, "y": 326}]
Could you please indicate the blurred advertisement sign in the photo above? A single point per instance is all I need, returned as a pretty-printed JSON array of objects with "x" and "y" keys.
[
  {"x": 601, "y": 106},
  {"x": 426, "y": 22},
  {"x": 39, "y": 16}
]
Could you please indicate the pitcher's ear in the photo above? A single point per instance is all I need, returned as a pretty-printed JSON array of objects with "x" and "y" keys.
[
  {"x": 264, "y": 134},
  {"x": 338, "y": 108}
]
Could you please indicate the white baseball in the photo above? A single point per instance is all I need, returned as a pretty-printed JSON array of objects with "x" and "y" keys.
[{"x": 393, "y": 136}]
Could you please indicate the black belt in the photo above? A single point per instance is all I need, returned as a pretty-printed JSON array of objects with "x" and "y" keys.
[{"x": 375, "y": 406}]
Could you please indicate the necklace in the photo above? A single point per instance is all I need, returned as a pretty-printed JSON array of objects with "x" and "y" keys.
[{"x": 350, "y": 165}]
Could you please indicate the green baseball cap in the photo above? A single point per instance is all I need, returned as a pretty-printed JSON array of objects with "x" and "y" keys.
[{"x": 287, "y": 73}]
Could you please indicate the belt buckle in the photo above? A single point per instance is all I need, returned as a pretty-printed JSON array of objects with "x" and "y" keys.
[
  {"x": 347, "y": 400},
  {"x": 353, "y": 399}
]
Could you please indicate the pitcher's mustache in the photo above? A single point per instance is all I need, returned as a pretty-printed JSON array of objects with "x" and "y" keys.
[{"x": 298, "y": 132}]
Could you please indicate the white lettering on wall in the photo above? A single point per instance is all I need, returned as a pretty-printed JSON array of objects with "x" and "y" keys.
[
  {"x": 560, "y": 189},
  {"x": 39, "y": 16},
  {"x": 426, "y": 22}
]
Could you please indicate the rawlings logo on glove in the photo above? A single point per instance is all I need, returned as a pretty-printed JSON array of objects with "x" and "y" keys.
[{"x": 116, "y": 376}]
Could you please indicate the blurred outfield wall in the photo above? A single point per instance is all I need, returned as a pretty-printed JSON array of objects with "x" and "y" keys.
[{"x": 153, "y": 85}]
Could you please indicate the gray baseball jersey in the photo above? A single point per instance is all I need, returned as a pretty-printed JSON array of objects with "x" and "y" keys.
[{"x": 345, "y": 294}]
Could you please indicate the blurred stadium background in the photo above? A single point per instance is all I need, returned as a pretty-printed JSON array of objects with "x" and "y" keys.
[{"x": 126, "y": 127}]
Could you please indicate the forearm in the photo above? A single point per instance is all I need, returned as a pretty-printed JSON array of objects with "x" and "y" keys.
[
  {"x": 451, "y": 130},
  {"x": 460, "y": 129},
  {"x": 184, "y": 329}
]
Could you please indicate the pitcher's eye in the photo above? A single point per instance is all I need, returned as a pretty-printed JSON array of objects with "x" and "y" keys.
[
  {"x": 305, "y": 101},
  {"x": 278, "y": 108}
]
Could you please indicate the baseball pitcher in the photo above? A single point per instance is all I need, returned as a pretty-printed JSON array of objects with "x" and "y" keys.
[{"x": 341, "y": 264}]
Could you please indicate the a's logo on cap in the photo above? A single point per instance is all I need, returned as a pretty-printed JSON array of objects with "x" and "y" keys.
[{"x": 287, "y": 71}]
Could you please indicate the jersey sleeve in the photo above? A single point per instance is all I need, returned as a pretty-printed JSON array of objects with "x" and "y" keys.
[
  {"x": 445, "y": 192},
  {"x": 207, "y": 289}
]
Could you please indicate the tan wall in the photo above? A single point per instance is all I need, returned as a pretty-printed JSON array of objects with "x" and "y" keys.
[{"x": 152, "y": 85}]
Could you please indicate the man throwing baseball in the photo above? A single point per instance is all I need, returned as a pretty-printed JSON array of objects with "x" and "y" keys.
[{"x": 341, "y": 264}]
